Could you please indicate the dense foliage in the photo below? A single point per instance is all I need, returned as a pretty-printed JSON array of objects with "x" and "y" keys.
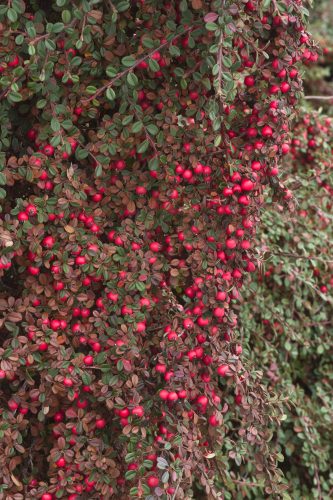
[
  {"x": 142, "y": 141},
  {"x": 287, "y": 313}
]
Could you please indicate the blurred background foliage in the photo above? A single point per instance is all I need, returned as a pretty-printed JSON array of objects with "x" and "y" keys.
[{"x": 287, "y": 314}]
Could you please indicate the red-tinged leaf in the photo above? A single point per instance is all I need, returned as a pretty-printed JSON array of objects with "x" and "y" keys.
[{"x": 211, "y": 17}]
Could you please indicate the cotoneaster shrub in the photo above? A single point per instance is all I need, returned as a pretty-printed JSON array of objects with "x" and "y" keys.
[
  {"x": 286, "y": 316},
  {"x": 138, "y": 139}
]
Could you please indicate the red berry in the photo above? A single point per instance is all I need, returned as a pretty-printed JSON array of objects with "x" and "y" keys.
[
  {"x": 61, "y": 462},
  {"x": 223, "y": 370},
  {"x": 155, "y": 246},
  {"x": 267, "y": 131},
  {"x": 48, "y": 150},
  {"x": 22, "y": 216},
  {"x": 213, "y": 421},
  {"x": 249, "y": 81},
  {"x": 48, "y": 242},
  {"x": 100, "y": 423},
  {"x": 138, "y": 411},
  {"x": 88, "y": 360},
  {"x": 164, "y": 394},
  {"x": 153, "y": 481}
]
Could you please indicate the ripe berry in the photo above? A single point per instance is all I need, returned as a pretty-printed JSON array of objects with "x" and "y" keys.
[
  {"x": 153, "y": 481},
  {"x": 222, "y": 370},
  {"x": 267, "y": 131},
  {"x": 213, "y": 421},
  {"x": 100, "y": 423},
  {"x": 61, "y": 462},
  {"x": 155, "y": 246},
  {"x": 284, "y": 87},
  {"x": 48, "y": 242},
  {"x": 48, "y": 150},
  {"x": 138, "y": 411},
  {"x": 164, "y": 394},
  {"x": 249, "y": 81},
  {"x": 88, "y": 360},
  {"x": 22, "y": 216}
]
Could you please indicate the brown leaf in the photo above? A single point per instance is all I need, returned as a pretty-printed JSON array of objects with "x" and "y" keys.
[
  {"x": 127, "y": 429},
  {"x": 6, "y": 239},
  {"x": 196, "y": 4},
  {"x": 14, "y": 316}
]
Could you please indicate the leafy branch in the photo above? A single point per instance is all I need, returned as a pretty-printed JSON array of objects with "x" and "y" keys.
[{"x": 120, "y": 75}]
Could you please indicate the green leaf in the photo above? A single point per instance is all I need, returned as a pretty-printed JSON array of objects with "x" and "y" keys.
[
  {"x": 31, "y": 30},
  {"x": 55, "y": 125},
  {"x": 41, "y": 103},
  {"x": 153, "y": 164},
  {"x": 148, "y": 43},
  {"x": 19, "y": 39},
  {"x": 50, "y": 45},
  {"x": 58, "y": 27},
  {"x": 66, "y": 16},
  {"x": 130, "y": 457},
  {"x": 128, "y": 61},
  {"x": 130, "y": 474},
  {"x": 132, "y": 79},
  {"x": 211, "y": 26},
  {"x": 143, "y": 146},
  {"x": 2, "y": 179},
  {"x": 81, "y": 154},
  {"x": 183, "y": 84},
  {"x": 19, "y": 6},
  {"x": 31, "y": 50},
  {"x": 98, "y": 170},
  {"x": 14, "y": 96},
  {"x": 12, "y": 15},
  {"x": 215, "y": 69},
  {"x": 165, "y": 477},
  {"x": 110, "y": 94},
  {"x": 174, "y": 51},
  {"x": 152, "y": 129},
  {"x": 227, "y": 61},
  {"x": 127, "y": 120},
  {"x": 122, "y": 6},
  {"x": 153, "y": 65},
  {"x": 111, "y": 71},
  {"x": 137, "y": 127},
  {"x": 91, "y": 89},
  {"x": 86, "y": 378}
]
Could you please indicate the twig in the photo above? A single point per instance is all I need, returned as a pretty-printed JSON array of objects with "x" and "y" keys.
[
  {"x": 220, "y": 65},
  {"x": 319, "y": 97},
  {"x": 246, "y": 483},
  {"x": 83, "y": 26},
  {"x": 255, "y": 48},
  {"x": 177, "y": 486},
  {"x": 89, "y": 152},
  {"x": 113, "y": 8},
  {"x": 7, "y": 89},
  {"x": 296, "y": 256},
  {"x": 320, "y": 497}
]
